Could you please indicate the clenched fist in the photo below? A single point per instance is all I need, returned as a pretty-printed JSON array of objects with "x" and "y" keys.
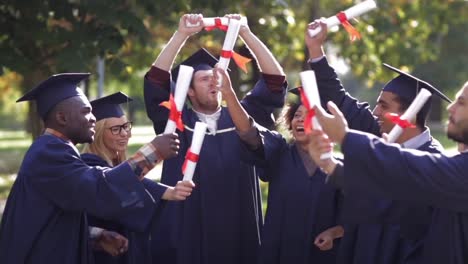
[{"x": 167, "y": 145}]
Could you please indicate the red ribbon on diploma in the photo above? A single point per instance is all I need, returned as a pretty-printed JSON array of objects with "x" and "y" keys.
[
  {"x": 396, "y": 119},
  {"x": 240, "y": 60},
  {"x": 217, "y": 25},
  {"x": 310, "y": 112},
  {"x": 174, "y": 114},
  {"x": 189, "y": 156},
  {"x": 353, "y": 33}
]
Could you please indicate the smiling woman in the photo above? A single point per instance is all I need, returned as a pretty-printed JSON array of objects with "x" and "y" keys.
[
  {"x": 111, "y": 139},
  {"x": 113, "y": 131},
  {"x": 301, "y": 218}
]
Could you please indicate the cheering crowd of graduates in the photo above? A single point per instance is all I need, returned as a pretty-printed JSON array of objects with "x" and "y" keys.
[{"x": 380, "y": 203}]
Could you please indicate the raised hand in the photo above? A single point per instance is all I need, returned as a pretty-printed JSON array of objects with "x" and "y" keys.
[
  {"x": 167, "y": 145},
  {"x": 244, "y": 28},
  {"x": 318, "y": 145},
  {"x": 314, "y": 44},
  {"x": 334, "y": 124},
  {"x": 196, "y": 21},
  {"x": 222, "y": 80}
]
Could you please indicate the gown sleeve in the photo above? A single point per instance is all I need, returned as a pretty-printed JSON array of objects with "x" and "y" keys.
[
  {"x": 268, "y": 94},
  {"x": 72, "y": 185},
  {"x": 358, "y": 114},
  {"x": 404, "y": 174},
  {"x": 157, "y": 87},
  {"x": 267, "y": 155}
]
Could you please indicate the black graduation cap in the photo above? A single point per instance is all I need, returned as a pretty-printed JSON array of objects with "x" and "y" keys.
[
  {"x": 200, "y": 60},
  {"x": 109, "y": 106},
  {"x": 407, "y": 86},
  {"x": 55, "y": 89}
]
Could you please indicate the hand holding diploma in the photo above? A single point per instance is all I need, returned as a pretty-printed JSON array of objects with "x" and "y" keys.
[
  {"x": 343, "y": 18},
  {"x": 310, "y": 98},
  {"x": 211, "y": 23},
  {"x": 190, "y": 19},
  {"x": 179, "y": 192},
  {"x": 410, "y": 114}
]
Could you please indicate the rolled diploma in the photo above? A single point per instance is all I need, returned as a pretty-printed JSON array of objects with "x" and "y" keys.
[
  {"x": 210, "y": 21},
  {"x": 409, "y": 114},
  {"x": 180, "y": 93},
  {"x": 351, "y": 12},
  {"x": 309, "y": 84},
  {"x": 228, "y": 45},
  {"x": 197, "y": 142},
  {"x": 229, "y": 42}
]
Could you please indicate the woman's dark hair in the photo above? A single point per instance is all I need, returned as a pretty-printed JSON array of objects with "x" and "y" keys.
[{"x": 287, "y": 115}]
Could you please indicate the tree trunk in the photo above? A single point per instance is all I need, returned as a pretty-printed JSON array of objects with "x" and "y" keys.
[{"x": 34, "y": 124}]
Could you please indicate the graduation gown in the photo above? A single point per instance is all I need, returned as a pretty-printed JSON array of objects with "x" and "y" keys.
[
  {"x": 138, "y": 242},
  {"x": 411, "y": 175},
  {"x": 377, "y": 230},
  {"x": 45, "y": 215},
  {"x": 300, "y": 206},
  {"x": 220, "y": 222},
  {"x": 384, "y": 230}
]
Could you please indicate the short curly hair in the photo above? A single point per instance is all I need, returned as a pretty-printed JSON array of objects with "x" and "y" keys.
[{"x": 287, "y": 115}]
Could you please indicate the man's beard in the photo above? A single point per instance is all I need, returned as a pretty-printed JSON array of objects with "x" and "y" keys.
[{"x": 462, "y": 138}]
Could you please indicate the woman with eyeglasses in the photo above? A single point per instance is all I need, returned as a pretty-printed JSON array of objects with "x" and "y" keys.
[{"x": 113, "y": 130}]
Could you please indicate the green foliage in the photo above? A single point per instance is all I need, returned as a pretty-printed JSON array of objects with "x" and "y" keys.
[
  {"x": 42, "y": 37},
  {"x": 56, "y": 36},
  {"x": 407, "y": 34}
]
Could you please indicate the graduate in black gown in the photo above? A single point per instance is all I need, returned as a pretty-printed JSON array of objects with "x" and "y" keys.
[
  {"x": 411, "y": 176},
  {"x": 376, "y": 230},
  {"x": 300, "y": 223},
  {"x": 113, "y": 130},
  {"x": 45, "y": 215},
  {"x": 220, "y": 222}
]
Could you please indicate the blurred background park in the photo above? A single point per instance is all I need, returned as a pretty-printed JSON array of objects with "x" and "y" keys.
[{"x": 117, "y": 40}]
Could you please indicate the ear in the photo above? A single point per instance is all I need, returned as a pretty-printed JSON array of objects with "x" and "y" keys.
[
  {"x": 61, "y": 118},
  {"x": 191, "y": 92}
]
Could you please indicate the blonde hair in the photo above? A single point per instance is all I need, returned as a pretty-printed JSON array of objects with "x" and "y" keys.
[{"x": 99, "y": 148}]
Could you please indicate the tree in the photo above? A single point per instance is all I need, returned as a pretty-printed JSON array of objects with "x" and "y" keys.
[{"x": 43, "y": 37}]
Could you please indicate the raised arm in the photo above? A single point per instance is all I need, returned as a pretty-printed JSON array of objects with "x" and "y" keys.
[
  {"x": 402, "y": 174},
  {"x": 261, "y": 147},
  {"x": 266, "y": 61},
  {"x": 157, "y": 81},
  {"x": 358, "y": 114},
  {"x": 173, "y": 46},
  {"x": 238, "y": 114}
]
